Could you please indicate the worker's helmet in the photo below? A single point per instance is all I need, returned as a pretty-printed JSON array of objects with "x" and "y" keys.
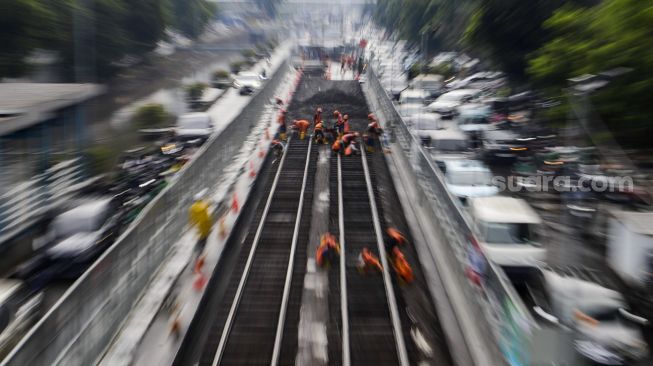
[
  {"x": 356, "y": 134},
  {"x": 336, "y": 113},
  {"x": 371, "y": 117},
  {"x": 345, "y": 117},
  {"x": 319, "y": 110},
  {"x": 394, "y": 233}
]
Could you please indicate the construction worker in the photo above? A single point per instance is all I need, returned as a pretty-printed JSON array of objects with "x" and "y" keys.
[
  {"x": 337, "y": 146},
  {"x": 201, "y": 220},
  {"x": 368, "y": 262},
  {"x": 373, "y": 131},
  {"x": 281, "y": 120},
  {"x": 349, "y": 143},
  {"x": 301, "y": 126},
  {"x": 318, "y": 133},
  {"x": 328, "y": 250},
  {"x": 345, "y": 128},
  {"x": 394, "y": 239},
  {"x": 401, "y": 266},
  {"x": 317, "y": 117},
  {"x": 340, "y": 124}
]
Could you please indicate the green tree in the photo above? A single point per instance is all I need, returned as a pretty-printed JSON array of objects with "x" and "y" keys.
[
  {"x": 190, "y": 17},
  {"x": 145, "y": 23},
  {"x": 21, "y": 24},
  {"x": 150, "y": 115},
  {"x": 615, "y": 33}
]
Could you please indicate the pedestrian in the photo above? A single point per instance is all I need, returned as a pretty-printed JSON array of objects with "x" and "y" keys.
[
  {"x": 336, "y": 147},
  {"x": 278, "y": 147},
  {"x": 340, "y": 125},
  {"x": 200, "y": 218},
  {"x": 349, "y": 143},
  {"x": 345, "y": 127},
  {"x": 328, "y": 250}
]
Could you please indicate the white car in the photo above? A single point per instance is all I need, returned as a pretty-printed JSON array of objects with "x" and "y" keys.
[
  {"x": 447, "y": 103},
  {"x": 248, "y": 81},
  {"x": 194, "y": 125},
  {"x": 605, "y": 331},
  {"x": 411, "y": 101},
  {"x": 474, "y": 117},
  {"x": 507, "y": 228},
  {"x": 467, "y": 178}
]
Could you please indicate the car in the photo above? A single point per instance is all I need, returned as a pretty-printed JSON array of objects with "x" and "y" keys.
[
  {"x": 467, "y": 178},
  {"x": 501, "y": 146},
  {"x": 411, "y": 101},
  {"x": 479, "y": 80},
  {"x": 447, "y": 103},
  {"x": 194, "y": 125},
  {"x": 445, "y": 142},
  {"x": 605, "y": 330},
  {"x": 248, "y": 82},
  {"x": 507, "y": 229},
  {"x": 79, "y": 236},
  {"x": 19, "y": 310},
  {"x": 431, "y": 83}
]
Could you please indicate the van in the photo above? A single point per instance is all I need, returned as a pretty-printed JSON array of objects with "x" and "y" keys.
[
  {"x": 507, "y": 228},
  {"x": 467, "y": 179},
  {"x": 194, "y": 125}
]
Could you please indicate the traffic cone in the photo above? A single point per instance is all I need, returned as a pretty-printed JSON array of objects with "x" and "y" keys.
[
  {"x": 261, "y": 152},
  {"x": 199, "y": 264},
  {"x": 235, "y": 207},
  {"x": 252, "y": 172},
  {"x": 200, "y": 282},
  {"x": 222, "y": 228}
]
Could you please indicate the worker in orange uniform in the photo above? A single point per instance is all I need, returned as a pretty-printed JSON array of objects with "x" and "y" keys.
[
  {"x": 336, "y": 147},
  {"x": 349, "y": 143},
  {"x": 200, "y": 219},
  {"x": 373, "y": 131},
  {"x": 317, "y": 117},
  {"x": 401, "y": 266},
  {"x": 302, "y": 126},
  {"x": 318, "y": 133},
  {"x": 345, "y": 127},
  {"x": 328, "y": 250},
  {"x": 368, "y": 262},
  {"x": 340, "y": 124},
  {"x": 394, "y": 238},
  {"x": 281, "y": 120}
]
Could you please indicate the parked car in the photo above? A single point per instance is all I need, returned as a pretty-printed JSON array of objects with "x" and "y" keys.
[
  {"x": 445, "y": 143},
  {"x": 507, "y": 228},
  {"x": 467, "y": 178},
  {"x": 605, "y": 330},
  {"x": 79, "y": 235},
  {"x": 447, "y": 103},
  {"x": 411, "y": 101},
  {"x": 194, "y": 125},
  {"x": 501, "y": 146},
  {"x": 19, "y": 310},
  {"x": 247, "y": 82},
  {"x": 431, "y": 83}
]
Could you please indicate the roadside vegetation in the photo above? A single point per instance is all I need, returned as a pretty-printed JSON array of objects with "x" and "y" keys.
[{"x": 540, "y": 44}]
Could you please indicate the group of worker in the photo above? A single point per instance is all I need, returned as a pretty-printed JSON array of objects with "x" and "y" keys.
[
  {"x": 338, "y": 134},
  {"x": 367, "y": 262}
]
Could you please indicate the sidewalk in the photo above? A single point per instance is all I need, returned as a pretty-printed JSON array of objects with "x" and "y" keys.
[{"x": 145, "y": 337}]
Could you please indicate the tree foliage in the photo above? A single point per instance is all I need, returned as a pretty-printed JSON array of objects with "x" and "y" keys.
[
  {"x": 616, "y": 33},
  {"x": 90, "y": 36}
]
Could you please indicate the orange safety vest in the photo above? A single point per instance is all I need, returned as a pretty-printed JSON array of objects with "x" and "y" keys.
[{"x": 371, "y": 260}]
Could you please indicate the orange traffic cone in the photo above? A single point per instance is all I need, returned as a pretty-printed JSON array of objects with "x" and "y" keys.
[
  {"x": 200, "y": 282},
  {"x": 199, "y": 264},
  {"x": 222, "y": 229},
  {"x": 252, "y": 172},
  {"x": 235, "y": 207}
]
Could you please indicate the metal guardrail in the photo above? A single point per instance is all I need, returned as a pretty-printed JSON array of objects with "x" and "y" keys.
[
  {"x": 77, "y": 330},
  {"x": 500, "y": 316}
]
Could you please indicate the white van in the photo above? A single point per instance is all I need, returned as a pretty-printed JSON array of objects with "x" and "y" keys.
[
  {"x": 507, "y": 228},
  {"x": 467, "y": 179},
  {"x": 194, "y": 125},
  {"x": 411, "y": 101},
  {"x": 431, "y": 83}
]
